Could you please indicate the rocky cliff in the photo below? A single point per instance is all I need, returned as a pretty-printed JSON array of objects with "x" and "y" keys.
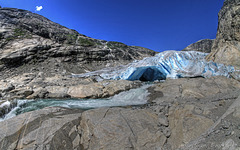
[
  {"x": 32, "y": 43},
  {"x": 226, "y": 47},
  {"x": 204, "y": 45}
]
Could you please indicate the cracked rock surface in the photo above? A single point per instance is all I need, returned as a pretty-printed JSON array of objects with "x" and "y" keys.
[{"x": 201, "y": 115}]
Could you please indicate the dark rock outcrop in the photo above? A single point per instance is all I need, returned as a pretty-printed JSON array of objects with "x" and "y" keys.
[
  {"x": 204, "y": 45},
  {"x": 31, "y": 43},
  {"x": 226, "y": 47}
]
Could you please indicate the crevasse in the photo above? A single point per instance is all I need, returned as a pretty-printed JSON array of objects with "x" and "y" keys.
[{"x": 168, "y": 64}]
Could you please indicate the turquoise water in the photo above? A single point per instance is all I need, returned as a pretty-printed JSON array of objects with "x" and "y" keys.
[{"x": 132, "y": 97}]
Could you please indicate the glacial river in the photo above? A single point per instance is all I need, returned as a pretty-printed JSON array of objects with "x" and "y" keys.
[{"x": 132, "y": 97}]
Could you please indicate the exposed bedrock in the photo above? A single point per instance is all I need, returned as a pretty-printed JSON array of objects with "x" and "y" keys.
[
  {"x": 168, "y": 121},
  {"x": 32, "y": 86},
  {"x": 226, "y": 47},
  {"x": 204, "y": 45},
  {"x": 31, "y": 43}
]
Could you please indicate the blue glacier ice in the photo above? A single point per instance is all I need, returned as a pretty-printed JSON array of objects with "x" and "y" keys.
[{"x": 168, "y": 64}]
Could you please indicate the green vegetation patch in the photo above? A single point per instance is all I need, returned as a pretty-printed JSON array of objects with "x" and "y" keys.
[
  {"x": 18, "y": 33},
  {"x": 71, "y": 38},
  {"x": 86, "y": 42},
  {"x": 113, "y": 44},
  {"x": 74, "y": 39}
]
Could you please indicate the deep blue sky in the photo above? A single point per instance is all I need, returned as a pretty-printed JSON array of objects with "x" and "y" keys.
[{"x": 155, "y": 24}]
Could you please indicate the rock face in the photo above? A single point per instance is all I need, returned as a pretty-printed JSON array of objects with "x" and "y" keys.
[
  {"x": 31, "y": 43},
  {"x": 226, "y": 47},
  {"x": 201, "y": 46}
]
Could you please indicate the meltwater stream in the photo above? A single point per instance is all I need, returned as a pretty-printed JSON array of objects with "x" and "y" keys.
[{"x": 132, "y": 97}]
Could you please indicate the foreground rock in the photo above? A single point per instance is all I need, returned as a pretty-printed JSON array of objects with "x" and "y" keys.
[
  {"x": 192, "y": 106},
  {"x": 49, "y": 128},
  {"x": 224, "y": 134},
  {"x": 179, "y": 113},
  {"x": 118, "y": 128},
  {"x": 226, "y": 47},
  {"x": 204, "y": 45},
  {"x": 58, "y": 128}
]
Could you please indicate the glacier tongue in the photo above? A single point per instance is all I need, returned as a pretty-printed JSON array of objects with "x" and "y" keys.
[{"x": 168, "y": 64}]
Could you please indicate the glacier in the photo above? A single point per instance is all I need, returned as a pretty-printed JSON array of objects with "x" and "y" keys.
[{"x": 167, "y": 64}]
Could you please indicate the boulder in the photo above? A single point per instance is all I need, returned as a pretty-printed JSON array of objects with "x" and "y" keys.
[
  {"x": 38, "y": 93},
  {"x": 101, "y": 89}
]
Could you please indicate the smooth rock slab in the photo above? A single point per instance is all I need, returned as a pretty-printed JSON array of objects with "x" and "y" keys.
[
  {"x": 49, "y": 128},
  {"x": 185, "y": 125},
  {"x": 119, "y": 128}
]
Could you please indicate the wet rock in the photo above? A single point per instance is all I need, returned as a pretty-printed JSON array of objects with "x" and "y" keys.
[
  {"x": 58, "y": 95},
  {"x": 6, "y": 107}
]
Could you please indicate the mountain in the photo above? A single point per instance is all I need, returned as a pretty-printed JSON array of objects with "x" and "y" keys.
[
  {"x": 226, "y": 46},
  {"x": 204, "y": 45},
  {"x": 31, "y": 43}
]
